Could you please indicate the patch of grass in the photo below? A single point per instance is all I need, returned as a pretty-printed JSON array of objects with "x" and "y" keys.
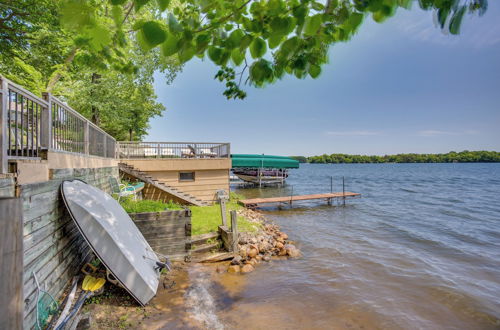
[
  {"x": 146, "y": 205},
  {"x": 205, "y": 219}
]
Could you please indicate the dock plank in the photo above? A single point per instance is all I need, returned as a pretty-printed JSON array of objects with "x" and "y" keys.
[{"x": 288, "y": 199}]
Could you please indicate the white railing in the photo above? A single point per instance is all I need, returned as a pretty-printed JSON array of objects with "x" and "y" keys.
[
  {"x": 30, "y": 125},
  {"x": 128, "y": 150}
]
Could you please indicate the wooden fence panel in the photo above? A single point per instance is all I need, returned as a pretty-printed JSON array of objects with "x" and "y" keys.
[{"x": 11, "y": 263}]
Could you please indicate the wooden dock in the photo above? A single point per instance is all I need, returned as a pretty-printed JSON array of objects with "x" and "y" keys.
[{"x": 256, "y": 202}]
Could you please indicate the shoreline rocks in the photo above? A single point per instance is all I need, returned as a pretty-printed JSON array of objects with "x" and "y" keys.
[{"x": 261, "y": 246}]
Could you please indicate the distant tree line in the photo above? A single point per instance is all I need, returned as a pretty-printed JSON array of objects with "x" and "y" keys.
[{"x": 450, "y": 157}]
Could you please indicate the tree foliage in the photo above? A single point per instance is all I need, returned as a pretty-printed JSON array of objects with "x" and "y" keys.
[
  {"x": 267, "y": 39},
  {"x": 61, "y": 47},
  {"x": 450, "y": 157}
]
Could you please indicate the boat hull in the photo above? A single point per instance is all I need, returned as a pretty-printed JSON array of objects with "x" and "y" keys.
[{"x": 114, "y": 238}]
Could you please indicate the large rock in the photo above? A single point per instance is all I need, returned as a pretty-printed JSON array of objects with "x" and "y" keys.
[
  {"x": 233, "y": 269},
  {"x": 252, "y": 253},
  {"x": 279, "y": 245},
  {"x": 236, "y": 260},
  {"x": 284, "y": 236},
  {"x": 248, "y": 268},
  {"x": 243, "y": 252},
  {"x": 282, "y": 252},
  {"x": 292, "y": 251}
]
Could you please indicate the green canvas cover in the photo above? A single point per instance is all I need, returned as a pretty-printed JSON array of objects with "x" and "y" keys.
[{"x": 262, "y": 161}]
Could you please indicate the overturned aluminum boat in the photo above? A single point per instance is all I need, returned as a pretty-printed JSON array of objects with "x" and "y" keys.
[{"x": 114, "y": 238}]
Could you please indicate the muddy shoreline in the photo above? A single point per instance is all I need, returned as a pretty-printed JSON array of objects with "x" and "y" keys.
[{"x": 191, "y": 295}]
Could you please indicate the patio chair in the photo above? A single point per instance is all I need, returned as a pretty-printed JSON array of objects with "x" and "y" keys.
[
  {"x": 190, "y": 152},
  {"x": 121, "y": 190},
  {"x": 207, "y": 153}
]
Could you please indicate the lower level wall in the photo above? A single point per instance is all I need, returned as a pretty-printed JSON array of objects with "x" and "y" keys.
[
  {"x": 205, "y": 185},
  {"x": 53, "y": 247}
]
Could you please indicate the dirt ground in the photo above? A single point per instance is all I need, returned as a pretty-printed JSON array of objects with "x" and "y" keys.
[{"x": 116, "y": 309}]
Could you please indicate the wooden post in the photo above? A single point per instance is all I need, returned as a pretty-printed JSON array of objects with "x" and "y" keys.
[
  {"x": 11, "y": 263},
  {"x": 222, "y": 202},
  {"x": 343, "y": 189},
  {"x": 234, "y": 230},
  {"x": 4, "y": 103},
  {"x": 46, "y": 123},
  {"x": 291, "y": 197}
]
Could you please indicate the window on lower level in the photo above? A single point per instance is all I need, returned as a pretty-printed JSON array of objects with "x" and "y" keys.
[{"x": 186, "y": 176}]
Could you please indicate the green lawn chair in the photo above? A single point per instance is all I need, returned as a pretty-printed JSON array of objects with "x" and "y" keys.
[{"x": 121, "y": 190}]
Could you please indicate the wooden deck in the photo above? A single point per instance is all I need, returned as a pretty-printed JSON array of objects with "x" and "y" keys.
[{"x": 255, "y": 202}]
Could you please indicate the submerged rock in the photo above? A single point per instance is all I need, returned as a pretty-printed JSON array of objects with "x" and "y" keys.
[
  {"x": 292, "y": 251},
  {"x": 233, "y": 269},
  {"x": 248, "y": 268}
]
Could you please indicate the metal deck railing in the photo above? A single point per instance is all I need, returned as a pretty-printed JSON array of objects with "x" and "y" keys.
[
  {"x": 30, "y": 125},
  {"x": 129, "y": 150}
]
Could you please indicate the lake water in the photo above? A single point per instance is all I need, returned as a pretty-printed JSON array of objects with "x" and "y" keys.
[{"x": 419, "y": 250}]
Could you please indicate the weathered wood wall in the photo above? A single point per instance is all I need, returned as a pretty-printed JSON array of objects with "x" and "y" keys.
[
  {"x": 168, "y": 232},
  {"x": 53, "y": 247},
  {"x": 11, "y": 264}
]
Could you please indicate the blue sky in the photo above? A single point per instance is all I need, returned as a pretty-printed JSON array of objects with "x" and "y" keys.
[{"x": 400, "y": 86}]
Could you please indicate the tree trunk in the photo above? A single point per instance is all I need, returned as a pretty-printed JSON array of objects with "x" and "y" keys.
[
  {"x": 95, "y": 111},
  {"x": 130, "y": 132}
]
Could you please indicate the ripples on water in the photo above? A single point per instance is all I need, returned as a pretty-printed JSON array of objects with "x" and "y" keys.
[{"x": 420, "y": 249}]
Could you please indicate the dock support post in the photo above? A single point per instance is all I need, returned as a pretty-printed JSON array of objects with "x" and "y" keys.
[
  {"x": 291, "y": 196},
  {"x": 343, "y": 189},
  {"x": 234, "y": 230}
]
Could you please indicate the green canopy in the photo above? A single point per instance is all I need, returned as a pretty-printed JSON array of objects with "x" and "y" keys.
[{"x": 262, "y": 161}]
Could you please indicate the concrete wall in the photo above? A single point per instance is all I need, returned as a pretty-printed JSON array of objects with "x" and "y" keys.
[
  {"x": 53, "y": 247},
  {"x": 32, "y": 171},
  {"x": 211, "y": 174}
]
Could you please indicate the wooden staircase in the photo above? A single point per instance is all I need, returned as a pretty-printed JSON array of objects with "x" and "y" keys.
[{"x": 148, "y": 179}]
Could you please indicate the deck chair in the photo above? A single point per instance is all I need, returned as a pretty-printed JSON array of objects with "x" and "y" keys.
[
  {"x": 190, "y": 152},
  {"x": 121, "y": 190},
  {"x": 207, "y": 153}
]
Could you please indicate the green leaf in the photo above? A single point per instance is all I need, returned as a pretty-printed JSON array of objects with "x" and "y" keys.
[
  {"x": 245, "y": 42},
  {"x": 202, "y": 42},
  {"x": 234, "y": 39},
  {"x": 173, "y": 24},
  {"x": 442, "y": 15},
  {"x": 139, "y": 4},
  {"x": 456, "y": 20},
  {"x": 138, "y": 25},
  {"x": 153, "y": 33},
  {"x": 314, "y": 70},
  {"x": 312, "y": 25},
  {"x": 274, "y": 40},
  {"x": 118, "y": 2},
  {"x": 100, "y": 37},
  {"x": 117, "y": 14},
  {"x": 171, "y": 46},
  {"x": 163, "y": 4},
  {"x": 258, "y": 48},
  {"x": 186, "y": 53},
  {"x": 261, "y": 71},
  {"x": 214, "y": 53},
  {"x": 355, "y": 20},
  {"x": 288, "y": 48},
  {"x": 237, "y": 56}
]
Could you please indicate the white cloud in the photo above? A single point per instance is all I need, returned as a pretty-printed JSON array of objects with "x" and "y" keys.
[
  {"x": 352, "y": 133},
  {"x": 431, "y": 133}
]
